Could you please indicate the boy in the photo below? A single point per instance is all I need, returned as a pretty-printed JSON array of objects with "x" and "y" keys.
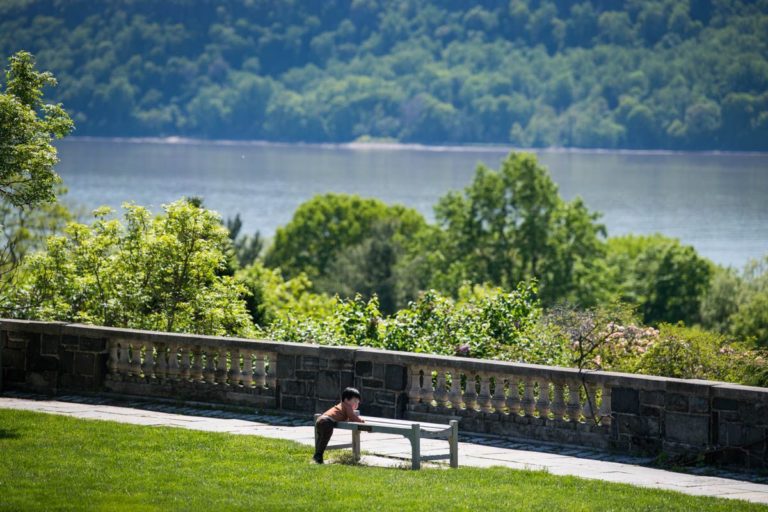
[{"x": 346, "y": 410}]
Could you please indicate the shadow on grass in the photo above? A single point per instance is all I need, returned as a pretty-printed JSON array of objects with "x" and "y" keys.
[{"x": 6, "y": 433}]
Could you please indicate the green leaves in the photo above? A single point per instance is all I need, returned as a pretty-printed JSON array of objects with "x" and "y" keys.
[
  {"x": 147, "y": 272},
  {"x": 511, "y": 226},
  {"x": 27, "y": 127}
]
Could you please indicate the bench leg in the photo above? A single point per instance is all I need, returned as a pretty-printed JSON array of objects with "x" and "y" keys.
[
  {"x": 415, "y": 446},
  {"x": 453, "y": 442},
  {"x": 356, "y": 445}
]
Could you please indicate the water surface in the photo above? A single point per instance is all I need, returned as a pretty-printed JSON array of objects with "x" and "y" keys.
[{"x": 716, "y": 202}]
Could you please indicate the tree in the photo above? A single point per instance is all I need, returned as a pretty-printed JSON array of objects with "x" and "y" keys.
[
  {"x": 325, "y": 226},
  {"x": 157, "y": 273},
  {"x": 27, "y": 127},
  {"x": 511, "y": 226},
  {"x": 666, "y": 280}
]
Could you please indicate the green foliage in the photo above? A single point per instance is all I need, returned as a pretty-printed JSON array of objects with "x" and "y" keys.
[
  {"x": 693, "y": 353},
  {"x": 511, "y": 226},
  {"x": 750, "y": 321},
  {"x": 147, "y": 272},
  {"x": 27, "y": 127},
  {"x": 247, "y": 247},
  {"x": 326, "y": 227},
  {"x": 271, "y": 298},
  {"x": 661, "y": 74},
  {"x": 666, "y": 280}
]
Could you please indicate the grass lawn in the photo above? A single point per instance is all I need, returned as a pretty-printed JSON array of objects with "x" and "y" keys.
[{"x": 50, "y": 462}]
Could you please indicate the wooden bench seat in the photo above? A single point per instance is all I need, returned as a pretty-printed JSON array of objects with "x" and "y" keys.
[{"x": 411, "y": 430}]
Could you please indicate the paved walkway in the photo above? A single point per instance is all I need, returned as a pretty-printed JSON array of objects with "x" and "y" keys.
[{"x": 387, "y": 450}]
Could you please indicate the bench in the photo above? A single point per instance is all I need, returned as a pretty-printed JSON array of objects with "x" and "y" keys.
[{"x": 413, "y": 431}]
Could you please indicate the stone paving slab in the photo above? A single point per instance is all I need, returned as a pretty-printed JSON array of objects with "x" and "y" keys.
[{"x": 394, "y": 451}]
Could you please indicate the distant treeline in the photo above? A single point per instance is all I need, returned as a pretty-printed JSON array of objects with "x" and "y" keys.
[{"x": 690, "y": 74}]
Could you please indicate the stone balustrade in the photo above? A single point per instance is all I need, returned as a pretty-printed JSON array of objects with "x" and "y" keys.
[
  {"x": 190, "y": 367},
  {"x": 626, "y": 413}
]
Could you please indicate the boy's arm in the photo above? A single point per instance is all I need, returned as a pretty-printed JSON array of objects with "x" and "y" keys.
[{"x": 350, "y": 413}]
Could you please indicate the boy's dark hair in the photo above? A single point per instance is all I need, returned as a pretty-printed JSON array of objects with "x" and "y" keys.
[{"x": 350, "y": 393}]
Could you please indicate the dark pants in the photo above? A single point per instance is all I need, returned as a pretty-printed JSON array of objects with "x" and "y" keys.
[{"x": 323, "y": 432}]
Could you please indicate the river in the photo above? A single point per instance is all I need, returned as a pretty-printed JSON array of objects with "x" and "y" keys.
[{"x": 717, "y": 202}]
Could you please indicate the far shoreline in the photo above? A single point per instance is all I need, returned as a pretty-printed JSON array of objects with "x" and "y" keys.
[{"x": 403, "y": 146}]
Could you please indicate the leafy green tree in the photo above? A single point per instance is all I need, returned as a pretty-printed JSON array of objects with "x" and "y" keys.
[
  {"x": 511, "y": 226},
  {"x": 666, "y": 280},
  {"x": 325, "y": 226},
  {"x": 158, "y": 273},
  {"x": 27, "y": 127},
  {"x": 750, "y": 321}
]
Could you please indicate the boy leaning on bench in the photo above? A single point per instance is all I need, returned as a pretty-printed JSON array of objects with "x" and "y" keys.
[{"x": 346, "y": 410}]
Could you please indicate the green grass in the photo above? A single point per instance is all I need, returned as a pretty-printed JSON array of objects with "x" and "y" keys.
[{"x": 52, "y": 462}]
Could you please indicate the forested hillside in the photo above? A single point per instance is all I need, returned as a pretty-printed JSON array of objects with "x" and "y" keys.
[{"x": 690, "y": 74}]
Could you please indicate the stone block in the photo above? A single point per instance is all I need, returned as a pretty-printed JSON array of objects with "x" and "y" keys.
[
  {"x": 309, "y": 375},
  {"x": 379, "y": 371},
  {"x": 50, "y": 345},
  {"x": 93, "y": 344},
  {"x": 292, "y": 387},
  {"x": 15, "y": 359},
  {"x": 372, "y": 383},
  {"x": 625, "y": 400},
  {"x": 653, "y": 412},
  {"x": 328, "y": 384},
  {"x": 310, "y": 363},
  {"x": 286, "y": 365},
  {"x": 372, "y": 410},
  {"x": 84, "y": 364},
  {"x": 676, "y": 402},
  {"x": 689, "y": 429},
  {"x": 396, "y": 377},
  {"x": 633, "y": 425},
  {"x": 385, "y": 398},
  {"x": 43, "y": 363},
  {"x": 754, "y": 413},
  {"x": 725, "y": 404},
  {"x": 364, "y": 368},
  {"x": 652, "y": 397},
  {"x": 70, "y": 341},
  {"x": 698, "y": 404}
]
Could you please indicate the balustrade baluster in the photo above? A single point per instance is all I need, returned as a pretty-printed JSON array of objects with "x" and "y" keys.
[
  {"x": 574, "y": 400},
  {"x": 247, "y": 370},
  {"x": 173, "y": 361},
  {"x": 271, "y": 370},
  {"x": 259, "y": 372},
  {"x": 197, "y": 364},
  {"x": 513, "y": 399},
  {"x": 484, "y": 398},
  {"x": 558, "y": 403},
  {"x": 184, "y": 367},
  {"x": 528, "y": 403},
  {"x": 135, "y": 359},
  {"x": 124, "y": 364},
  {"x": 234, "y": 371},
  {"x": 210, "y": 372},
  {"x": 441, "y": 393},
  {"x": 149, "y": 361},
  {"x": 590, "y": 404},
  {"x": 455, "y": 394},
  {"x": 542, "y": 404},
  {"x": 470, "y": 391},
  {"x": 499, "y": 399},
  {"x": 161, "y": 367},
  {"x": 426, "y": 387},
  {"x": 414, "y": 391},
  {"x": 605, "y": 405},
  {"x": 221, "y": 366}
]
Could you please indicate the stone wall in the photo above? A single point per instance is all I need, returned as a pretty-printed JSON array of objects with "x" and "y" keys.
[{"x": 715, "y": 421}]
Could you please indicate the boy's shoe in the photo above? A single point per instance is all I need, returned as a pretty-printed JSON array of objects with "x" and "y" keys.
[{"x": 316, "y": 460}]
